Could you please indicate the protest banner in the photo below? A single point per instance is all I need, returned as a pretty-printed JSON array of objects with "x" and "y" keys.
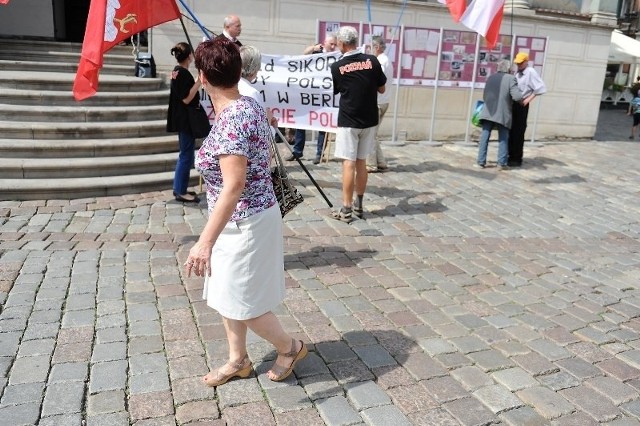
[{"x": 298, "y": 89}]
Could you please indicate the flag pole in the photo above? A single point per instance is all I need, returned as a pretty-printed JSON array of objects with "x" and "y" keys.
[{"x": 204, "y": 30}]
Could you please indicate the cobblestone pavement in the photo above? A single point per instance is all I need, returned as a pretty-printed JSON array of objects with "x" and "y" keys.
[{"x": 466, "y": 297}]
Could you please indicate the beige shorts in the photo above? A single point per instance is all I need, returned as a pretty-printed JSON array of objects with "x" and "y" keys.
[{"x": 354, "y": 144}]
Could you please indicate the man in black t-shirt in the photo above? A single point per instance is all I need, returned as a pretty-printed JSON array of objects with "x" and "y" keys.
[{"x": 358, "y": 77}]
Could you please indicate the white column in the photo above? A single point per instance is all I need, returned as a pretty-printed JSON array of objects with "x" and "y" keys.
[{"x": 516, "y": 4}]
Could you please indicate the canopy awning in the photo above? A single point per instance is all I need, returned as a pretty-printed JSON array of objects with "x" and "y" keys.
[{"x": 623, "y": 49}]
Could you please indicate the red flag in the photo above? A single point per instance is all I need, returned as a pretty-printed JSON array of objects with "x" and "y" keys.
[
  {"x": 456, "y": 7},
  {"x": 109, "y": 22},
  {"x": 485, "y": 18},
  {"x": 4, "y": 1}
]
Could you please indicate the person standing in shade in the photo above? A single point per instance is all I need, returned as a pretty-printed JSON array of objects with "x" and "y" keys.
[
  {"x": 299, "y": 139},
  {"x": 531, "y": 85},
  {"x": 376, "y": 161},
  {"x": 501, "y": 92},
  {"x": 232, "y": 27},
  {"x": 634, "y": 108},
  {"x": 183, "y": 94},
  {"x": 358, "y": 78}
]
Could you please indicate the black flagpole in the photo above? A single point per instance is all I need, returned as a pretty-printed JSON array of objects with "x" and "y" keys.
[{"x": 285, "y": 143}]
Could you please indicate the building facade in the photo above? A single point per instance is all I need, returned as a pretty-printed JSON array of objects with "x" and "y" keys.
[{"x": 579, "y": 33}]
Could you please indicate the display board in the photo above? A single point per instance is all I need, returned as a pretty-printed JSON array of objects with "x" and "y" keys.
[
  {"x": 391, "y": 36},
  {"x": 419, "y": 56},
  {"x": 535, "y": 47}
]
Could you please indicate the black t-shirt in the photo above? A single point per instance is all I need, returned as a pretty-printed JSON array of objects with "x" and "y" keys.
[
  {"x": 181, "y": 83},
  {"x": 357, "y": 78}
]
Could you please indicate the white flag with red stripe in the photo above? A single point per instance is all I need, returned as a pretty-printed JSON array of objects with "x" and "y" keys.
[
  {"x": 456, "y": 7},
  {"x": 485, "y": 18}
]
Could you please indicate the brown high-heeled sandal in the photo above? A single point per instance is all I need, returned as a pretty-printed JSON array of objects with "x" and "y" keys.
[
  {"x": 243, "y": 370},
  {"x": 284, "y": 372}
]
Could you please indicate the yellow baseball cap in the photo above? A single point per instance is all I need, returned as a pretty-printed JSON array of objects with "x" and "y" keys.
[{"x": 521, "y": 57}]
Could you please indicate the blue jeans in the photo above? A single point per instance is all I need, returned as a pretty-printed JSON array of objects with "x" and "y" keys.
[
  {"x": 299, "y": 141},
  {"x": 185, "y": 163},
  {"x": 503, "y": 143}
]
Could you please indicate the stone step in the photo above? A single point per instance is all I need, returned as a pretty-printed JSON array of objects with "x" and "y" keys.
[
  {"x": 66, "y": 57},
  {"x": 48, "y": 130},
  {"x": 52, "y": 97},
  {"x": 79, "y": 148},
  {"x": 81, "y": 113},
  {"x": 19, "y": 45},
  {"x": 66, "y": 67},
  {"x": 56, "y": 168},
  {"x": 73, "y": 188},
  {"x": 33, "y": 80}
]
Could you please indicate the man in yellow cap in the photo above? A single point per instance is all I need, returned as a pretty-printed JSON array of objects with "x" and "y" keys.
[{"x": 531, "y": 85}]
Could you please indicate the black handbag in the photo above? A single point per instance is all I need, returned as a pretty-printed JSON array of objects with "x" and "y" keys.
[
  {"x": 287, "y": 195},
  {"x": 198, "y": 121}
]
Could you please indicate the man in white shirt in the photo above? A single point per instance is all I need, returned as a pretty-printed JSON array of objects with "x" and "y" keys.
[
  {"x": 531, "y": 85},
  {"x": 376, "y": 161}
]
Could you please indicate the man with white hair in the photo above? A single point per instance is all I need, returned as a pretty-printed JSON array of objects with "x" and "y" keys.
[
  {"x": 232, "y": 29},
  {"x": 376, "y": 161},
  {"x": 358, "y": 78}
]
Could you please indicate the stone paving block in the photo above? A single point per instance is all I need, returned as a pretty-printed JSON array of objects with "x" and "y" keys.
[
  {"x": 470, "y": 411},
  {"x": 434, "y": 417},
  {"x": 366, "y": 395},
  {"x": 491, "y": 360},
  {"x": 421, "y": 366},
  {"x": 321, "y": 387},
  {"x": 350, "y": 371},
  {"x": 632, "y": 408},
  {"x": 190, "y": 389},
  {"x": 436, "y": 346},
  {"x": 41, "y": 331},
  {"x": 249, "y": 414},
  {"x": 30, "y": 369},
  {"x": 618, "y": 369},
  {"x": 106, "y": 402},
  {"x": 157, "y": 381},
  {"x": 36, "y": 347},
  {"x": 385, "y": 415},
  {"x": 150, "y": 405},
  {"x": 313, "y": 365},
  {"x": 151, "y": 344},
  {"x": 62, "y": 419},
  {"x": 113, "y": 351},
  {"x": 69, "y": 372},
  {"x": 411, "y": 398},
  {"x": 106, "y": 376},
  {"x": 558, "y": 381},
  {"x": 374, "y": 356},
  {"x": 307, "y": 417},
  {"x": 63, "y": 398},
  {"x": 497, "y": 398},
  {"x": 514, "y": 378},
  {"x": 589, "y": 352},
  {"x": 589, "y": 401},
  {"x": 546, "y": 402},
  {"x": 453, "y": 360},
  {"x": 444, "y": 389},
  {"x": 523, "y": 416},
  {"x": 535, "y": 364},
  {"x": 471, "y": 378},
  {"x": 631, "y": 357},
  {"x": 579, "y": 368},
  {"x": 197, "y": 410},
  {"x": 287, "y": 398},
  {"x": 549, "y": 350},
  {"x": 147, "y": 363},
  {"x": 236, "y": 392},
  {"x": 576, "y": 419},
  {"x": 82, "y": 318},
  {"x": 595, "y": 336},
  {"x": 613, "y": 389},
  {"x": 20, "y": 415},
  {"x": 337, "y": 411},
  {"x": 624, "y": 421},
  {"x": 23, "y": 393},
  {"x": 468, "y": 344},
  {"x": 335, "y": 351}
]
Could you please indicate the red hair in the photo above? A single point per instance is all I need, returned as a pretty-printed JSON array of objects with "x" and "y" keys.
[{"x": 220, "y": 62}]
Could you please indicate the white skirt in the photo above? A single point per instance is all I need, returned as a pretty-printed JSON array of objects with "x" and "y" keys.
[{"x": 247, "y": 267}]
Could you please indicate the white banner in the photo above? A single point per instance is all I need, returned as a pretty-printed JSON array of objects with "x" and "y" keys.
[{"x": 298, "y": 89}]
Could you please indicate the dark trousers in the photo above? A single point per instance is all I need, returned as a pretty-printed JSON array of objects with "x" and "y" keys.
[
  {"x": 299, "y": 142},
  {"x": 516, "y": 134}
]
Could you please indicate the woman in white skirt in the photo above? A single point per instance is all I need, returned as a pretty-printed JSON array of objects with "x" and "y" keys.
[{"x": 240, "y": 250}]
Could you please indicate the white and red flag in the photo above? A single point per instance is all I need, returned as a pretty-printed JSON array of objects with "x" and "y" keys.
[
  {"x": 109, "y": 22},
  {"x": 456, "y": 7},
  {"x": 482, "y": 16},
  {"x": 4, "y": 1}
]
